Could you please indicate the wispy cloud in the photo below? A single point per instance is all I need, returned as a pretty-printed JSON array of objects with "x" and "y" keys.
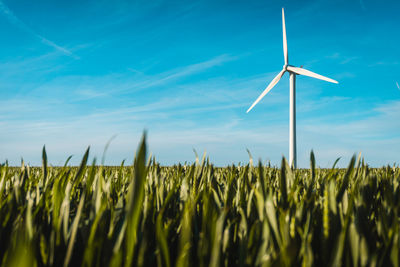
[
  {"x": 349, "y": 59},
  {"x": 146, "y": 81},
  {"x": 41, "y": 64},
  {"x": 342, "y": 59},
  {"x": 197, "y": 67},
  {"x": 334, "y": 55},
  {"x": 13, "y": 19},
  {"x": 383, "y": 63},
  {"x": 87, "y": 87},
  {"x": 122, "y": 93},
  {"x": 309, "y": 105},
  {"x": 375, "y": 135}
]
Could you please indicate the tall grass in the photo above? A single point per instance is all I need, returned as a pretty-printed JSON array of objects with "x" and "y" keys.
[{"x": 198, "y": 215}]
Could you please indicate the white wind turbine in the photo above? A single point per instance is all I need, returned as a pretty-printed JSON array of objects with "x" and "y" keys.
[{"x": 293, "y": 71}]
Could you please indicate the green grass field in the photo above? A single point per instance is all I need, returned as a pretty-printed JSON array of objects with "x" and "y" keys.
[{"x": 199, "y": 215}]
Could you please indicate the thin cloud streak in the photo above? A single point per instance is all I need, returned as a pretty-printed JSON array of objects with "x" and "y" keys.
[
  {"x": 172, "y": 75},
  {"x": 102, "y": 87},
  {"x": 13, "y": 19}
]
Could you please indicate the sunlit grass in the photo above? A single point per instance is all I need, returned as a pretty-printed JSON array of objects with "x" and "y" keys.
[{"x": 199, "y": 215}]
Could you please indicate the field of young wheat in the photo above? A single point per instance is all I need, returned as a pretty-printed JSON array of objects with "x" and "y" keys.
[{"x": 199, "y": 215}]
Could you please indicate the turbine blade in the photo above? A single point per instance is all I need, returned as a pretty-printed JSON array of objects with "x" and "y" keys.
[
  {"x": 269, "y": 87},
  {"x": 397, "y": 85},
  {"x": 305, "y": 72},
  {"x": 285, "y": 51}
]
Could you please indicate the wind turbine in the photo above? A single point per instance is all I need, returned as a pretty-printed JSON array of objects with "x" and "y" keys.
[{"x": 293, "y": 71}]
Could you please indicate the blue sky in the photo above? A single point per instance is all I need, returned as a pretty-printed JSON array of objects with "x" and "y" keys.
[{"x": 77, "y": 73}]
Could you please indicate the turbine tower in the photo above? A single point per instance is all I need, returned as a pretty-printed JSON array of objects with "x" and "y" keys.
[{"x": 293, "y": 71}]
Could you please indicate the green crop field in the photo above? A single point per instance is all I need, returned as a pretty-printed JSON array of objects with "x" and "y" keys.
[{"x": 199, "y": 215}]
